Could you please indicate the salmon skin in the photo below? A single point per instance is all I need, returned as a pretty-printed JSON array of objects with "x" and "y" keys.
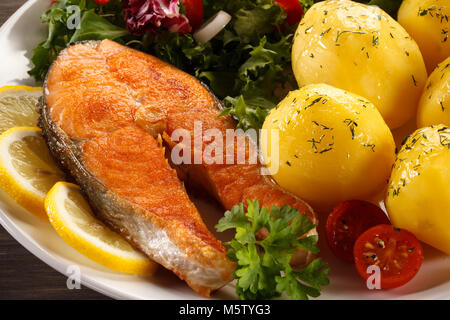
[{"x": 104, "y": 110}]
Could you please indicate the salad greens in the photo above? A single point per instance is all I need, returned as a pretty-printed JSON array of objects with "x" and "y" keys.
[
  {"x": 248, "y": 65},
  {"x": 97, "y": 22},
  {"x": 263, "y": 270}
]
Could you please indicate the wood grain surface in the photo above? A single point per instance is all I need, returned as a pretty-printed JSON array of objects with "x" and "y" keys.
[{"x": 22, "y": 275}]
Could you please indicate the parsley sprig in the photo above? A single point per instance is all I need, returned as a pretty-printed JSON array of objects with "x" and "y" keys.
[{"x": 263, "y": 270}]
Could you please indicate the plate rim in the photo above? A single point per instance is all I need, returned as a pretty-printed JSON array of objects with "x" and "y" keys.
[{"x": 90, "y": 281}]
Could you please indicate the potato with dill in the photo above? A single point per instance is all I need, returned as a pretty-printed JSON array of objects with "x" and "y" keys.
[
  {"x": 434, "y": 106},
  {"x": 428, "y": 22},
  {"x": 333, "y": 146},
  {"x": 418, "y": 196},
  {"x": 361, "y": 49}
]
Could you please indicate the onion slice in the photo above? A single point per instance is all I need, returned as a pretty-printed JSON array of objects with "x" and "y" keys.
[{"x": 212, "y": 27}]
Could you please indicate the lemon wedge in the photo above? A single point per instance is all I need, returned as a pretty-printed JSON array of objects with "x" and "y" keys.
[
  {"x": 27, "y": 170},
  {"x": 17, "y": 106},
  {"x": 72, "y": 218}
]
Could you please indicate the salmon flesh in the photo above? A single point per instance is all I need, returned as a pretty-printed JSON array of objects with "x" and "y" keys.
[{"x": 104, "y": 112}]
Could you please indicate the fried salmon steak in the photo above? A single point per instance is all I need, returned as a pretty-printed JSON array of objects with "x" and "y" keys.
[{"x": 104, "y": 110}]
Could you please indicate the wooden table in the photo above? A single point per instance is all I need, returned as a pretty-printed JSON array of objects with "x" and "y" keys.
[{"x": 22, "y": 275}]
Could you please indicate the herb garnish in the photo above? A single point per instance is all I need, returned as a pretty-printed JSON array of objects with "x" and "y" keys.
[
  {"x": 245, "y": 65},
  {"x": 263, "y": 270}
]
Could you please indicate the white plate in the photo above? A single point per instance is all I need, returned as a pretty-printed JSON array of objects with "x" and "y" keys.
[{"x": 18, "y": 36}]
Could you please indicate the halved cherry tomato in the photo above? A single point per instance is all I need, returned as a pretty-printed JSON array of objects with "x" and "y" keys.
[
  {"x": 396, "y": 252},
  {"x": 101, "y": 2},
  {"x": 347, "y": 222},
  {"x": 194, "y": 12},
  {"x": 293, "y": 9}
]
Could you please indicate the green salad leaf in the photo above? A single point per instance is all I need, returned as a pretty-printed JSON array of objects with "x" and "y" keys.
[
  {"x": 96, "y": 23},
  {"x": 263, "y": 270}
]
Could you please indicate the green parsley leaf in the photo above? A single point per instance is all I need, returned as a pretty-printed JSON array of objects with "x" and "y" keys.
[
  {"x": 233, "y": 219},
  {"x": 263, "y": 270}
]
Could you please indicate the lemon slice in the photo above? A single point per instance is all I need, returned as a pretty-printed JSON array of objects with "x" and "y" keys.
[
  {"x": 72, "y": 218},
  {"x": 27, "y": 170},
  {"x": 17, "y": 106}
]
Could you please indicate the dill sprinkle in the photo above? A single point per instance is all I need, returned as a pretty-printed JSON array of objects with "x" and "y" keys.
[
  {"x": 313, "y": 103},
  {"x": 351, "y": 124},
  {"x": 325, "y": 32},
  {"x": 375, "y": 40}
]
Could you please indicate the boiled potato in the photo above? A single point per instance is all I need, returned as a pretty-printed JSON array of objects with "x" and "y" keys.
[
  {"x": 361, "y": 49},
  {"x": 333, "y": 146},
  {"x": 419, "y": 191},
  {"x": 427, "y": 21},
  {"x": 434, "y": 106}
]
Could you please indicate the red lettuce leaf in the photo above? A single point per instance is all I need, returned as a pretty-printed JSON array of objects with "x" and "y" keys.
[{"x": 150, "y": 15}]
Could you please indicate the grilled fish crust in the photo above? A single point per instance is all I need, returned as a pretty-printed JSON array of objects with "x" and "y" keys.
[{"x": 201, "y": 263}]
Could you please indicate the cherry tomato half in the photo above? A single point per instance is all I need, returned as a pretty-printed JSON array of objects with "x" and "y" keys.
[
  {"x": 194, "y": 12},
  {"x": 396, "y": 252},
  {"x": 293, "y": 9},
  {"x": 347, "y": 222}
]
